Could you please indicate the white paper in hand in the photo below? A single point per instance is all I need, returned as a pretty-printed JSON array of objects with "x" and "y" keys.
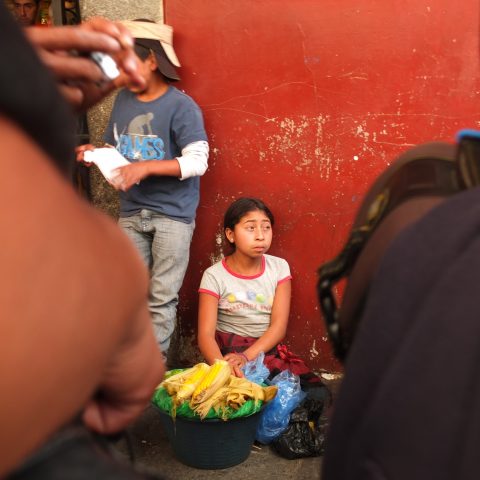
[{"x": 106, "y": 159}]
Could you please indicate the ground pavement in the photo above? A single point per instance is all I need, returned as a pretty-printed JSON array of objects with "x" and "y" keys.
[{"x": 150, "y": 448}]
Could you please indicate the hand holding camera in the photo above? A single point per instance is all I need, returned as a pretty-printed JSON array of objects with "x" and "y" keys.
[{"x": 103, "y": 49}]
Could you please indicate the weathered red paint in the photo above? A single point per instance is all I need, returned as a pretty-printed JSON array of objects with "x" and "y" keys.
[{"x": 305, "y": 102}]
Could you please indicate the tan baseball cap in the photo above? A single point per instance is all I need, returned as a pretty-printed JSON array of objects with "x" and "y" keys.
[{"x": 159, "y": 38}]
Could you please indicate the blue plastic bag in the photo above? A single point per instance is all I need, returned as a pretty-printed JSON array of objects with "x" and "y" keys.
[
  {"x": 255, "y": 370},
  {"x": 276, "y": 415}
]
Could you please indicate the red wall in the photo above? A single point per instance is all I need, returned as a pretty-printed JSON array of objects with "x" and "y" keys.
[{"x": 305, "y": 103}]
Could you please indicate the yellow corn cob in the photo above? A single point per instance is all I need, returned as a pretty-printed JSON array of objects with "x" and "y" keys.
[
  {"x": 235, "y": 392},
  {"x": 251, "y": 389},
  {"x": 174, "y": 383},
  {"x": 236, "y": 398},
  {"x": 216, "y": 401},
  {"x": 217, "y": 376},
  {"x": 192, "y": 382}
]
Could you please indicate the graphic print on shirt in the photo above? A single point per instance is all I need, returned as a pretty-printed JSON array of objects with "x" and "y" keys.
[
  {"x": 138, "y": 142},
  {"x": 248, "y": 300}
]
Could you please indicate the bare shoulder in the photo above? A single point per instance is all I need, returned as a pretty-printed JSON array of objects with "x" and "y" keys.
[{"x": 53, "y": 235}]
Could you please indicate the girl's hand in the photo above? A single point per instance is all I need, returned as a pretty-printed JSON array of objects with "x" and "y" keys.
[{"x": 236, "y": 361}]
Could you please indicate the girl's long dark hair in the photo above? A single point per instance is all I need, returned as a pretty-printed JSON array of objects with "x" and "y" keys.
[{"x": 241, "y": 207}]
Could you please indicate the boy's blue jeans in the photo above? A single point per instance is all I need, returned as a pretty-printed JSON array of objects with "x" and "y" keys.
[{"x": 164, "y": 244}]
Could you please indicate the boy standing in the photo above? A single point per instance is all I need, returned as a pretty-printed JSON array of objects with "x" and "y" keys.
[{"x": 160, "y": 131}]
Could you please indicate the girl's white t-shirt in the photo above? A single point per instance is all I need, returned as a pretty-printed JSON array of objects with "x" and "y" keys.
[{"x": 244, "y": 302}]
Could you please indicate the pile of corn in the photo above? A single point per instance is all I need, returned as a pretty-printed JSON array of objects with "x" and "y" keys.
[{"x": 206, "y": 387}]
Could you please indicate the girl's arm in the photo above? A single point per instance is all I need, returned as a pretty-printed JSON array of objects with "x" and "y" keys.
[
  {"x": 278, "y": 323},
  {"x": 207, "y": 324}
]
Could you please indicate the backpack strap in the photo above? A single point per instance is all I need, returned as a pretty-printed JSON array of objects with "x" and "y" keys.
[{"x": 417, "y": 181}]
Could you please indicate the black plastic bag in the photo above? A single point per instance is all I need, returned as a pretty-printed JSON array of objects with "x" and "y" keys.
[{"x": 305, "y": 434}]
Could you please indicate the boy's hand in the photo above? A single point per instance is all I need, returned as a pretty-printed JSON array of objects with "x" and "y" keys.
[
  {"x": 80, "y": 153},
  {"x": 129, "y": 175}
]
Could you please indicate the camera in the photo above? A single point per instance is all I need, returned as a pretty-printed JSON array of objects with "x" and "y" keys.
[{"x": 106, "y": 63}]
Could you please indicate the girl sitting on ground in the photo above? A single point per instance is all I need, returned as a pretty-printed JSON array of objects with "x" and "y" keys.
[{"x": 245, "y": 298}]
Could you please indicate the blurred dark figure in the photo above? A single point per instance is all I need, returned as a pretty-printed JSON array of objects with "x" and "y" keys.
[
  {"x": 76, "y": 343},
  {"x": 408, "y": 329}
]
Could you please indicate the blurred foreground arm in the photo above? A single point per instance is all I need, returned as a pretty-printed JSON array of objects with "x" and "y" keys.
[{"x": 74, "y": 326}]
